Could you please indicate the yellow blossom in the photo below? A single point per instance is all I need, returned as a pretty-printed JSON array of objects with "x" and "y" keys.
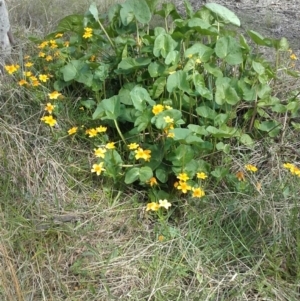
[
  {"x": 152, "y": 206},
  {"x": 53, "y": 44},
  {"x": 168, "y": 119},
  {"x": 293, "y": 57},
  {"x": 183, "y": 177},
  {"x": 72, "y": 130},
  {"x": 91, "y": 132},
  {"x": 99, "y": 152},
  {"x": 133, "y": 146},
  {"x": 43, "y": 44},
  {"x": 28, "y": 64},
  {"x": 88, "y": 33},
  {"x": 66, "y": 43},
  {"x": 171, "y": 135},
  {"x": 152, "y": 181},
  {"x": 58, "y": 35},
  {"x": 35, "y": 83},
  {"x": 32, "y": 77},
  {"x": 250, "y": 167},
  {"x": 43, "y": 77},
  {"x": 288, "y": 165},
  {"x": 110, "y": 145},
  {"x": 201, "y": 175},
  {"x": 49, "y": 58},
  {"x": 92, "y": 58},
  {"x": 240, "y": 176},
  {"x": 184, "y": 187},
  {"x": 198, "y": 61},
  {"x": 49, "y": 108},
  {"x": 101, "y": 129},
  {"x": 98, "y": 168},
  {"x": 42, "y": 54},
  {"x": 12, "y": 68},
  {"x": 157, "y": 109},
  {"x": 49, "y": 120},
  {"x": 161, "y": 238},
  {"x": 168, "y": 108},
  {"x": 22, "y": 82},
  {"x": 143, "y": 154},
  {"x": 165, "y": 204},
  {"x": 28, "y": 73},
  {"x": 54, "y": 95},
  {"x": 198, "y": 192},
  {"x": 190, "y": 56}
]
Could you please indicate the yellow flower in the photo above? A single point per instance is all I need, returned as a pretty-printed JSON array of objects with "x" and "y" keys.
[
  {"x": 198, "y": 61},
  {"x": 43, "y": 77},
  {"x": 168, "y": 119},
  {"x": 101, "y": 129},
  {"x": 32, "y": 77},
  {"x": 165, "y": 204},
  {"x": 88, "y": 33},
  {"x": 250, "y": 167},
  {"x": 288, "y": 165},
  {"x": 54, "y": 95},
  {"x": 42, "y": 54},
  {"x": 161, "y": 238},
  {"x": 168, "y": 108},
  {"x": 99, "y": 152},
  {"x": 143, "y": 154},
  {"x": 91, "y": 132},
  {"x": 157, "y": 109},
  {"x": 28, "y": 64},
  {"x": 66, "y": 43},
  {"x": 53, "y": 44},
  {"x": 22, "y": 82},
  {"x": 190, "y": 56},
  {"x": 28, "y": 73},
  {"x": 201, "y": 175},
  {"x": 171, "y": 135},
  {"x": 198, "y": 193},
  {"x": 110, "y": 145},
  {"x": 240, "y": 176},
  {"x": 49, "y": 107},
  {"x": 152, "y": 206},
  {"x": 73, "y": 130},
  {"x": 133, "y": 146},
  {"x": 35, "y": 83},
  {"x": 12, "y": 68},
  {"x": 152, "y": 181},
  {"x": 58, "y": 35},
  {"x": 92, "y": 58},
  {"x": 43, "y": 44},
  {"x": 293, "y": 57},
  {"x": 98, "y": 168},
  {"x": 184, "y": 187},
  {"x": 49, "y": 58},
  {"x": 183, "y": 177},
  {"x": 49, "y": 120}
]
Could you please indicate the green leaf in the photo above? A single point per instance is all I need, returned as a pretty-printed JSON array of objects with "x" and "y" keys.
[
  {"x": 224, "y": 13},
  {"x": 163, "y": 44},
  {"x": 201, "y": 87},
  {"x": 258, "y": 67},
  {"x": 178, "y": 80},
  {"x": 272, "y": 127},
  {"x": 128, "y": 64},
  {"x": 89, "y": 104},
  {"x": 142, "y": 121},
  {"x": 225, "y": 92},
  {"x": 182, "y": 155},
  {"x": 94, "y": 11},
  {"x": 161, "y": 174},
  {"x": 158, "y": 87},
  {"x": 138, "y": 8},
  {"x": 132, "y": 175},
  {"x": 71, "y": 70},
  {"x": 140, "y": 97},
  {"x": 202, "y": 51},
  {"x": 228, "y": 48},
  {"x": 223, "y": 147},
  {"x": 206, "y": 112},
  {"x": 70, "y": 23},
  {"x": 111, "y": 107},
  {"x": 145, "y": 173},
  {"x": 200, "y": 130},
  {"x": 214, "y": 70},
  {"x": 156, "y": 69},
  {"x": 258, "y": 39},
  {"x": 172, "y": 57},
  {"x": 246, "y": 140},
  {"x": 220, "y": 172}
]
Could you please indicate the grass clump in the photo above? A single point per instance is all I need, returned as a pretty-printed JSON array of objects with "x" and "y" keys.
[{"x": 186, "y": 113}]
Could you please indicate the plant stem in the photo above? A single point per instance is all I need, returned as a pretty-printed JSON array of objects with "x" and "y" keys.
[
  {"x": 105, "y": 32},
  {"x": 119, "y": 131}
]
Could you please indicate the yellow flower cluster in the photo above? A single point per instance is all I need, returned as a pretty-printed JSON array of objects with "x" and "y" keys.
[
  {"x": 12, "y": 68},
  {"x": 159, "y": 108},
  {"x": 153, "y": 206},
  {"x": 93, "y": 132},
  {"x": 143, "y": 154},
  {"x": 294, "y": 170},
  {"x": 251, "y": 167},
  {"x": 182, "y": 185}
]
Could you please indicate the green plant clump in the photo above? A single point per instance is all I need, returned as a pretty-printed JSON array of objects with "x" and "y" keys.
[{"x": 161, "y": 105}]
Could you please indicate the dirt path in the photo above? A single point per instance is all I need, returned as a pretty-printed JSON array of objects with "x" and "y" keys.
[{"x": 275, "y": 19}]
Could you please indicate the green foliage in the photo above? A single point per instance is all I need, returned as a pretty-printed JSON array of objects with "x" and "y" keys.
[{"x": 169, "y": 96}]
